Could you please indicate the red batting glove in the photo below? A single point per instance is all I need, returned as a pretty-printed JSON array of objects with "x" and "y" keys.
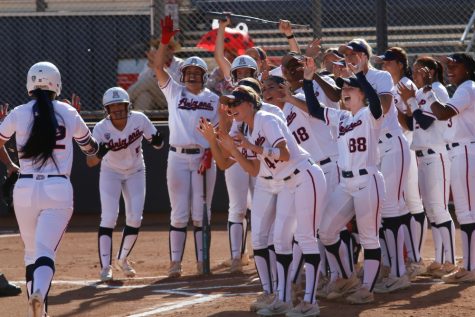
[
  {"x": 167, "y": 29},
  {"x": 205, "y": 162}
]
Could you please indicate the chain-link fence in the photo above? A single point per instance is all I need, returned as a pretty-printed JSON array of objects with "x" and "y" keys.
[{"x": 98, "y": 44}]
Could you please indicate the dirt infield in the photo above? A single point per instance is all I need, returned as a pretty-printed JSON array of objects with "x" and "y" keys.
[{"x": 77, "y": 292}]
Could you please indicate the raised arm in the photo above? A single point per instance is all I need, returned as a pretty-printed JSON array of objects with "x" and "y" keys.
[
  {"x": 313, "y": 105},
  {"x": 207, "y": 130},
  {"x": 159, "y": 60},
  {"x": 409, "y": 98},
  {"x": 375, "y": 104},
  {"x": 286, "y": 29},
  {"x": 221, "y": 60}
]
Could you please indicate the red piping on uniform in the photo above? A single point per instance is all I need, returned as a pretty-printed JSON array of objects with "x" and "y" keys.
[
  {"x": 402, "y": 169},
  {"x": 466, "y": 177},
  {"x": 377, "y": 205},
  {"x": 4, "y": 137},
  {"x": 443, "y": 173},
  {"x": 83, "y": 137},
  {"x": 326, "y": 116},
  {"x": 277, "y": 141},
  {"x": 314, "y": 204},
  {"x": 338, "y": 171}
]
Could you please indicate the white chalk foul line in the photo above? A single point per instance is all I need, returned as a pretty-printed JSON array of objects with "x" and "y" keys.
[{"x": 177, "y": 305}]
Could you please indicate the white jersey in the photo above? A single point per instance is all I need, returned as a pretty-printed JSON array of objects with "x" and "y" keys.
[
  {"x": 358, "y": 137},
  {"x": 433, "y": 137},
  {"x": 310, "y": 133},
  {"x": 70, "y": 125},
  {"x": 125, "y": 146},
  {"x": 184, "y": 112},
  {"x": 398, "y": 102},
  {"x": 463, "y": 103},
  {"x": 268, "y": 131},
  {"x": 382, "y": 83},
  {"x": 239, "y": 126}
]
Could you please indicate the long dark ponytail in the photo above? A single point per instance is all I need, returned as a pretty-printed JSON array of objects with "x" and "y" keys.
[
  {"x": 435, "y": 65},
  {"x": 42, "y": 140}
]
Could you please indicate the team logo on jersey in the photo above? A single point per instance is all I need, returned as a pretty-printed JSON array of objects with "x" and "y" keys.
[
  {"x": 344, "y": 129},
  {"x": 124, "y": 143},
  {"x": 422, "y": 102},
  {"x": 317, "y": 93},
  {"x": 107, "y": 136},
  {"x": 290, "y": 118},
  {"x": 192, "y": 104},
  {"x": 260, "y": 140}
]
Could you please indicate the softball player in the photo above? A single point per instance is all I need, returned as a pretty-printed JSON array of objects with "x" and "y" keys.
[
  {"x": 43, "y": 195},
  {"x": 361, "y": 187},
  {"x": 394, "y": 163},
  {"x": 189, "y": 159},
  {"x": 312, "y": 135},
  {"x": 395, "y": 62},
  {"x": 264, "y": 257},
  {"x": 296, "y": 179},
  {"x": 238, "y": 183},
  {"x": 120, "y": 135},
  {"x": 460, "y": 135},
  {"x": 434, "y": 167}
]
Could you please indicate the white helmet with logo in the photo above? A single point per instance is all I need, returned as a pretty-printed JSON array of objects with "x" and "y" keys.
[
  {"x": 195, "y": 61},
  {"x": 243, "y": 61},
  {"x": 45, "y": 76},
  {"x": 115, "y": 95}
]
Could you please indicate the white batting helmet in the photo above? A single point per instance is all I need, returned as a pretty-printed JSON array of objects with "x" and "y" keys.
[
  {"x": 115, "y": 95},
  {"x": 243, "y": 61},
  {"x": 195, "y": 61},
  {"x": 45, "y": 76}
]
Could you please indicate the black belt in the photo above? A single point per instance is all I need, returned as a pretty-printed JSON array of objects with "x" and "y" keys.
[
  {"x": 325, "y": 161},
  {"x": 290, "y": 176},
  {"x": 286, "y": 178},
  {"x": 186, "y": 151},
  {"x": 40, "y": 176},
  {"x": 420, "y": 153},
  {"x": 349, "y": 174},
  {"x": 388, "y": 135}
]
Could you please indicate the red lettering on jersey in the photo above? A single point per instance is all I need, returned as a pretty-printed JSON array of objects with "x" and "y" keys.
[
  {"x": 124, "y": 143},
  {"x": 342, "y": 129},
  {"x": 422, "y": 102},
  {"x": 192, "y": 104},
  {"x": 290, "y": 118}
]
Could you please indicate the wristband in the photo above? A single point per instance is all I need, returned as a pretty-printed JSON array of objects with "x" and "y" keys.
[
  {"x": 271, "y": 152},
  {"x": 412, "y": 103},
  {"x": 290, "y": 36}
]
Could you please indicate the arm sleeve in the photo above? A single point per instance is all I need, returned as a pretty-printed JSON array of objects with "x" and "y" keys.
[
  {"x": 409, "y": 122},
  {"x": 314, "y": 107},
  {"x": 460, "y": 101},
  {"x": 7, "y": 127},
  {"x": 422, "y": 119},
  {"x": 374, "y": 102},
  {"x": 171, "y": 89},
  {"x": 83, "y": 137},
  {"x": 273, "y": 132}
]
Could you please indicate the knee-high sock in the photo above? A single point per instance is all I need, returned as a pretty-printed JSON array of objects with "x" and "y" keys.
[
  {"x": 347, "y": 241},
  {"x": 371, "y": 266},
  {"x": 468, "y": 243},
  {"x": 129, "y": 237},
  {"x": 105, "y": 246},
  {"x": 386, "y": 258},
  {"x": 447, "y": 232},
  {"x": 198, "y": 233},
  {"x": 418, "y": 232},
  {"x": 297, "y": 262},
  {"x": 324, "y": 267},
  {"x": 177, "y": 240},
  {"x": 29, "y": 278},
  {"x": 284, "y": 261},
  {"x": 312, "y": 261},
  {"x": 273, "y": 266},
  {"x": 245, "y": 227},
  {"x": 263, "y": 268},
  {"x": 236, "y": 235},
  {"x": 438, "y": 246},
  {"x": 337, "y": 256},
  {"x": 43, "y": 275},
  {"x": 394, "y": 233}
]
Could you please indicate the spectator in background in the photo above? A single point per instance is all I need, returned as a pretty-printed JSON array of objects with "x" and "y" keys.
[{"x": 145, "y": 93}]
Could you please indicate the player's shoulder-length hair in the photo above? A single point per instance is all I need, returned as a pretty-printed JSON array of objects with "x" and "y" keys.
[
  {"x": 256, "y": 99},
  {"x": 42, "y": 139}
]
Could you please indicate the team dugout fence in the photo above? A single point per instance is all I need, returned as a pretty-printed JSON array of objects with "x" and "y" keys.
[{"x": 98, "y": 44}]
